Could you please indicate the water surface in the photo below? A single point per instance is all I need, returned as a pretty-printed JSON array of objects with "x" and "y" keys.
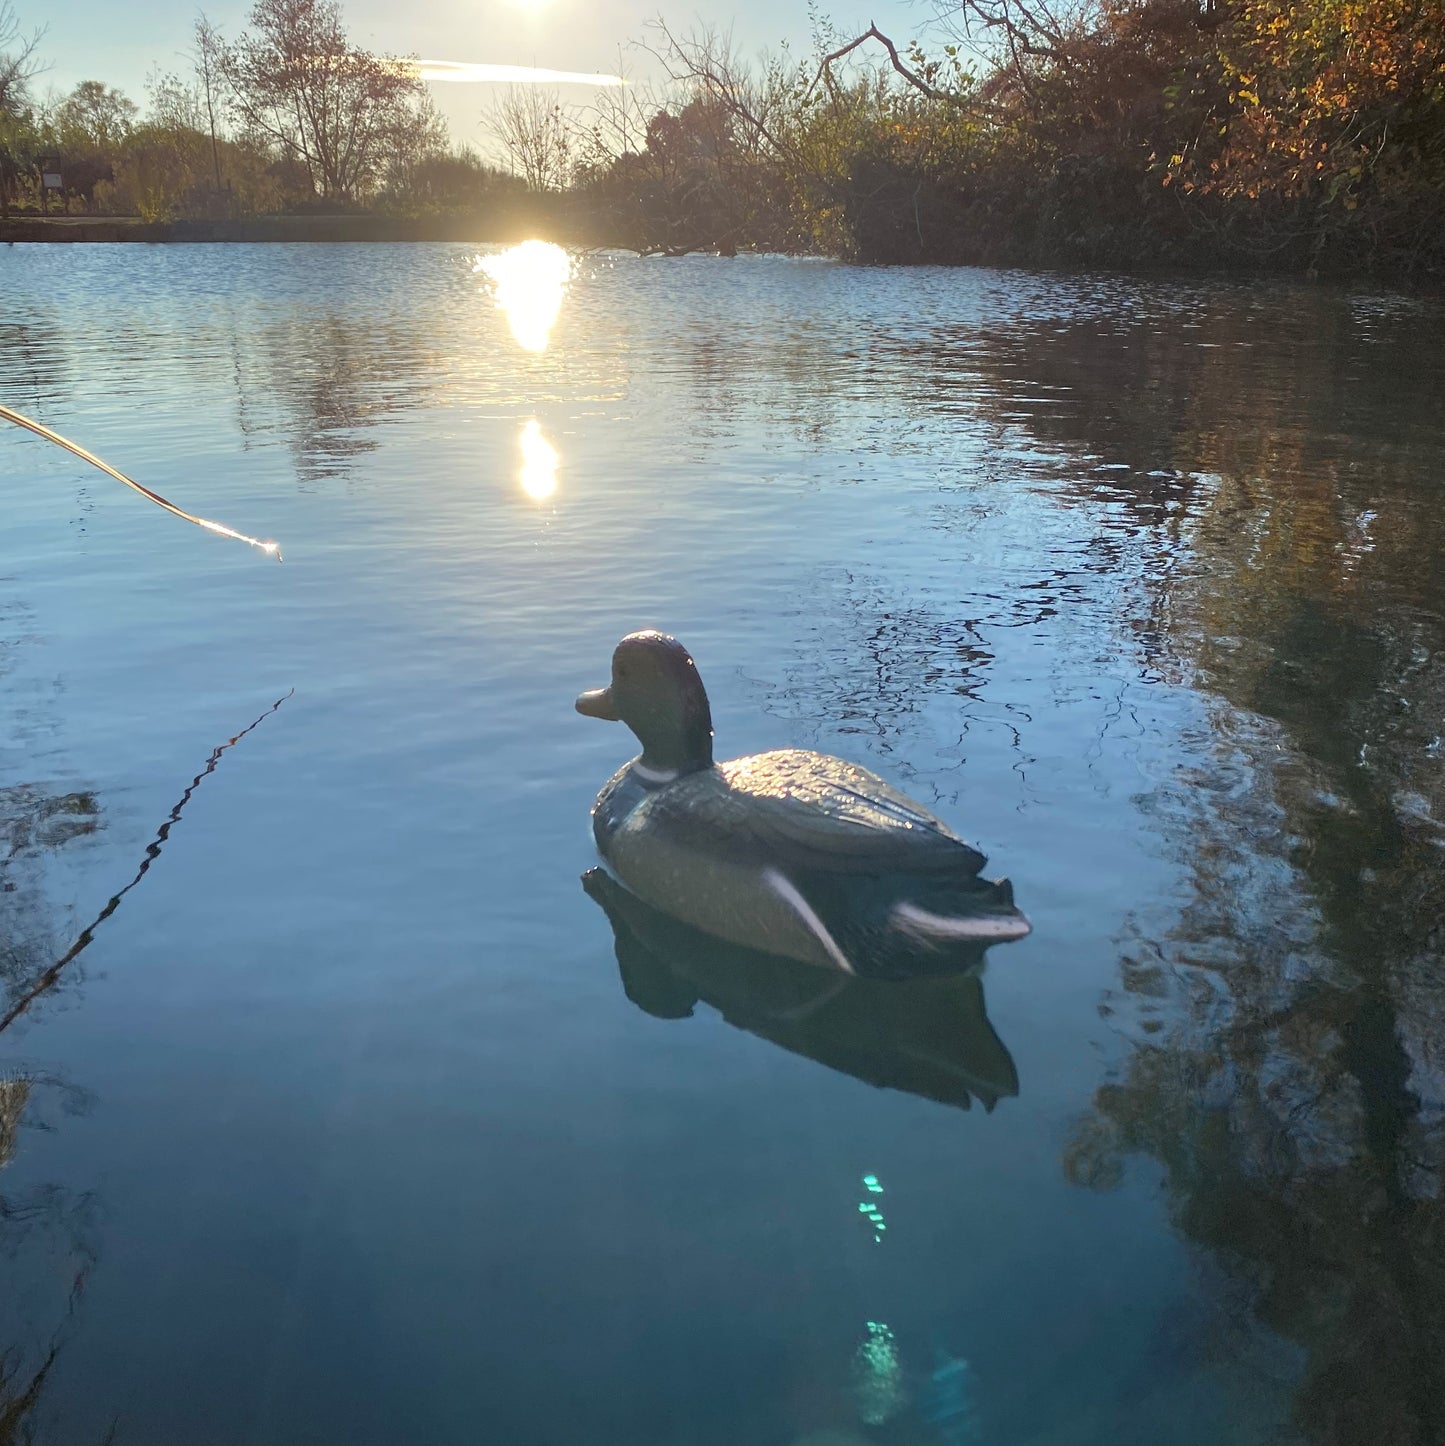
[{"x": 344, "y": 1129}]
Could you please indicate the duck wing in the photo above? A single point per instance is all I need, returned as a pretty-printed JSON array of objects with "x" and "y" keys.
[{"x": 809, "y": 812}]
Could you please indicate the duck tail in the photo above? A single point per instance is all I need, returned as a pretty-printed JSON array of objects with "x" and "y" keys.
[{"x": 985, "y": 914}]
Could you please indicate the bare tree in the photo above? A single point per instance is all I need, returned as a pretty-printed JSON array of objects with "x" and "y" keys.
[
  {"x": 414, "y": 144},
  {"x": 704, "y": 64},
  {"x": 615, "y": 124},
  {"x": 18, "y": 65},
  {"x": 298, "y": 82},
  {"x": 206, "y": 58},
  {"x": 1039, "y": 28},
  {"x": 540, "y": 136}
]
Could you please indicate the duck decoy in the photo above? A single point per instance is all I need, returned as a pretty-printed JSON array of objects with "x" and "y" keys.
[
  {"x": 791, "y": 852},
  {"x": 929, "y": 1036}
]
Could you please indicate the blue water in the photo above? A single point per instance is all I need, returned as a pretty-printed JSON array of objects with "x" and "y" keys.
[{"x": 343, "y": 1128}]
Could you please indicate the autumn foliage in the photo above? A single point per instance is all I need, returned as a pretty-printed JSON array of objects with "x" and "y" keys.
[
  {"x": 1304, "y": 136},
  {"x": 1334, "y": 111}
]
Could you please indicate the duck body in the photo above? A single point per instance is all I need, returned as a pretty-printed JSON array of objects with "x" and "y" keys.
[{"x": 792, "y": 853}]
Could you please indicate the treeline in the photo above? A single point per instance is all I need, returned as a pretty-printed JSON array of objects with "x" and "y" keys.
[
  {"x": 1288, "y": 135},
  {"x": 288, "y": 115},
  {"x": 1303, "y": 135}
]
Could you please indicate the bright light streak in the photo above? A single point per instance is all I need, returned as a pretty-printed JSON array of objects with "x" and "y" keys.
[
  {"x": 539, "y": 463},
  {"x": 468, "y": 71},
  {"x": 529, "y": 282}
]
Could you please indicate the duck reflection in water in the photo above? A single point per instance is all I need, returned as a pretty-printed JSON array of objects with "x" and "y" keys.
[
  {"x": 927, "y": 1036},
  {"x": 791, "y": 852}
]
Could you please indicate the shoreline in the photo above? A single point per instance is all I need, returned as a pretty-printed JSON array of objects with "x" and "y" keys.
[{"x": 507, "y": 227}]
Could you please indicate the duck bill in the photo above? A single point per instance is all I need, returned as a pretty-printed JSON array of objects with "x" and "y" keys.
[{"x": 597, "y": 703}]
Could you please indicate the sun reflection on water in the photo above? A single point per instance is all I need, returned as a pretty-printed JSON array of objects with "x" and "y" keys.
[
  {"x": 528, "y": 282},
  {"x": 539, "y": 463}
]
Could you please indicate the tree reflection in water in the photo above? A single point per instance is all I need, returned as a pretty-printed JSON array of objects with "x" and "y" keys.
[
  {"x": 45, "y": 1232},
  {"x": 46, "y": 1241},
  {"x": 1288, "y": 1069},
  {"x": 47, "y": 1248},
  {"x": 1255, "y": 478}
]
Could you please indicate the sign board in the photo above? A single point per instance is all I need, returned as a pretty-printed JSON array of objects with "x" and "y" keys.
[{"x": 51, "y": 180}]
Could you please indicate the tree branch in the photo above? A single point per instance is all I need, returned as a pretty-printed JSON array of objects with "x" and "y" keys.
[{"x": 825, "y": 67}]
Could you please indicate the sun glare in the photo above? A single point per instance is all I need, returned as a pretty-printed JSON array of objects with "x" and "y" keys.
[
  {"x": 528, "y": 283},
  {"x": 539, "y": 463}
]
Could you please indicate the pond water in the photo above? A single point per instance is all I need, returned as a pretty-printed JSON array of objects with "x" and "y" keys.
[{"x": 341, "y": 1126}]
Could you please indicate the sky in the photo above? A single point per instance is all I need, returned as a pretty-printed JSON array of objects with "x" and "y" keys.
[{"x": 121, "y": 44}]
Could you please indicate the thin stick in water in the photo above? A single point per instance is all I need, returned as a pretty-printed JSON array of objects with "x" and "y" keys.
[
  {"x": 40, "y": 430},
  {"x": 51, "y": 976}
]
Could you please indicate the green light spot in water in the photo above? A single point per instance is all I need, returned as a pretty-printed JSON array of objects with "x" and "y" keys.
[
  {"x": 871, "y": 1181},
  {"x": 865, "y": 1208},
  {"x": 878, "y": 1382}
]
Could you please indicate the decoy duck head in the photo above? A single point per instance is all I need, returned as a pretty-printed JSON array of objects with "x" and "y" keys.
[{"x": 656, "y": 691}]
